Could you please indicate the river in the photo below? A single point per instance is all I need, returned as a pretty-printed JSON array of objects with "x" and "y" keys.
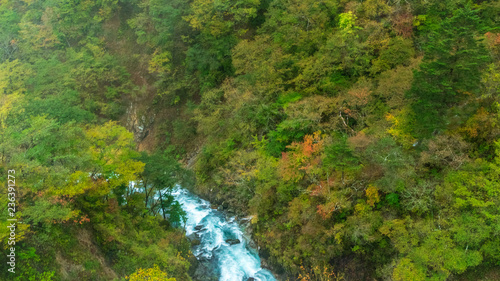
[{"x": 236, "y": 262}]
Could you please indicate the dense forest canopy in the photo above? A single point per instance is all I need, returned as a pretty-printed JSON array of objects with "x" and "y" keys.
[{"x": 361, "y": 136}]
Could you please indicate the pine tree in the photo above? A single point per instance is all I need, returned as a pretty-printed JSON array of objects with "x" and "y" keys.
[{"x": 450, "y": 70}]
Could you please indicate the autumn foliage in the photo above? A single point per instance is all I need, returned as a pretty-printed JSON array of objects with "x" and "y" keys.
[{"x": 302, "y": 158}]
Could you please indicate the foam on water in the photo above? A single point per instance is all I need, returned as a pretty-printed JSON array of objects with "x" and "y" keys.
[{"x": 234, "y": 262}]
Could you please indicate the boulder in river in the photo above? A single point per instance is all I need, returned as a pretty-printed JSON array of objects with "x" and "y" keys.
[
  {"x": 204, "y": 272},
  {"x": 198, "y": 227},
  {"x": 252, "y": 244},
  {"x": 264, "y": 264},
  {"x": 233, "y": 241},
  {"x": 246, "y": 219},
  {"x": 193, "y": 236},
  {"x": 230, "y": 212}
]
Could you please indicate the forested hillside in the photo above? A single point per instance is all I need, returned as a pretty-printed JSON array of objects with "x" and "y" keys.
[
  {"x": 62, "y": 93},
  {"x": 362, "y": 137}
]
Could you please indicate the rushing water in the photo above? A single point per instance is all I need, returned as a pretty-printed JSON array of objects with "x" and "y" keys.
[{"x": 235, "y": 262}]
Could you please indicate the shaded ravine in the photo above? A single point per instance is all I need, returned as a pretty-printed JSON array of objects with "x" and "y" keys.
[{"x": 223, "y": 248}]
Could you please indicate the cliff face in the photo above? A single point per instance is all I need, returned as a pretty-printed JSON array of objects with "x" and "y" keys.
[{"x": 142, "y": 125}]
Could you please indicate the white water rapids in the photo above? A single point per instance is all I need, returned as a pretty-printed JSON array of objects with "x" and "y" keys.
[{"x": 237, "y": 262}]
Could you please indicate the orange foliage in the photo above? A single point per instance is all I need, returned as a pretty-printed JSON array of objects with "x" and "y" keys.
[
  {"x": 80, "y": 220},
  {"x": 62, "y": 199},
  {"x": 492, "y": 38},
  {"x": 403, "y": 24},
  {"x": 322, "y": 188},
  {"x": 326, "y": 210},
  {"x": 360, "y": 96},
  {"x": 303, "y": 156},
  {"x": 360, "y": 140}
]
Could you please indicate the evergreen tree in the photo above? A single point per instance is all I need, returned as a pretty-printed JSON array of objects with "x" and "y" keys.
[{"x": 449, "y": 71}]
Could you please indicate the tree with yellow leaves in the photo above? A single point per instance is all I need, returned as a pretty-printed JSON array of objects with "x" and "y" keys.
[{"x": 150, "y": 274}]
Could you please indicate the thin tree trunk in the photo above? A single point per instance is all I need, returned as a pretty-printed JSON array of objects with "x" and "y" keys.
[{"x": 162, "y": 206}]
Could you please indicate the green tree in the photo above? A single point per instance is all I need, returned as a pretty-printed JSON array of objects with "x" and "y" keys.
[
  {"x": 450, "y": 70},
  {"x": 8, "y": 21},
  {"x": 340, "y": 157},
  {"x": 161, "y": 174}
]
